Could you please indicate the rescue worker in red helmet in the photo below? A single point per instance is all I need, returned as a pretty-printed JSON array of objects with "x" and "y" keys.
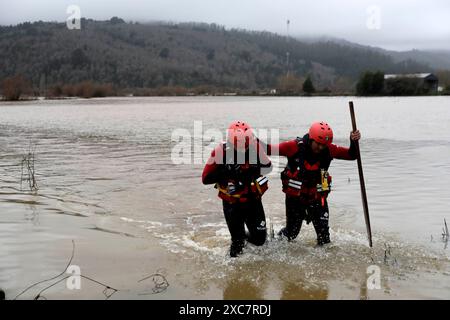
[
  {"x": 237, "y": 169},
  {"x": 306, "y": 181}
]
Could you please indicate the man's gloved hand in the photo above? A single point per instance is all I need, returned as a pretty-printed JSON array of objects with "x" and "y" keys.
[
  {"x": 355, "y": 135},
  {"x": 231, "y": 188}
]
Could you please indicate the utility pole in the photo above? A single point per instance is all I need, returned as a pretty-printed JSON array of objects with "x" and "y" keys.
[{"x": 288, "y": 22}]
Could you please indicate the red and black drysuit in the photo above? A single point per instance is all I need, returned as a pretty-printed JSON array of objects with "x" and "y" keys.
[
  {"x": 224, "y": 169},
  {"x": 305, "y": 167}
]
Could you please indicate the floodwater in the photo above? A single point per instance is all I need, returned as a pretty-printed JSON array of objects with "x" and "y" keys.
[{"x": 107, "y": 180}]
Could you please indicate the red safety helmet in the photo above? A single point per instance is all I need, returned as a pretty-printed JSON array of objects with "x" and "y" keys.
[
  {"x": 240, "y": 135},
  {"x": 321, "y": 132}
]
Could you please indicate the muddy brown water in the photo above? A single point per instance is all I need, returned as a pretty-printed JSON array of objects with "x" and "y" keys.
[{"x": 106, "y": 179}]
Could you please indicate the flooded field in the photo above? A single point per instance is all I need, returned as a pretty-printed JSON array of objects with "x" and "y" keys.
[{"x": 107, "y": 181}]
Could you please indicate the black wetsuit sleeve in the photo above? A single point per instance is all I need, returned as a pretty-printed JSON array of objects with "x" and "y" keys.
[{"x": 352, "y": 150}]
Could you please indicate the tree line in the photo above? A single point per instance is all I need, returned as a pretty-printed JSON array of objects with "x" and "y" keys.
[{"x": 114, "y": 57}]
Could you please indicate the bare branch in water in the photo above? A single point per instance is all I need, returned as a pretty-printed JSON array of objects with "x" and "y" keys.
[
  {"x": 52, "y": 278},
  {"x": 107, "y": 292},
  {"x": 28, "y": 169},
  {"x": 445, "y": 234},
  {"x": 160, "y": 283}
]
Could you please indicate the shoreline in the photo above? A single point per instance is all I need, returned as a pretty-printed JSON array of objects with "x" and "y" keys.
[{"x": 28, "y": 99}]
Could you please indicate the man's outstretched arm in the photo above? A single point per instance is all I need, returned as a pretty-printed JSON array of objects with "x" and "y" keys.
[
  {"x": 285, "y": 149},
  {"x": 343, "y": 153},
  {"x": 212, "y": 172}
]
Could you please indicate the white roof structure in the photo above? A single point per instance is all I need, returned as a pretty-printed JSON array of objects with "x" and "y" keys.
[{"x": 408, "y": 75}]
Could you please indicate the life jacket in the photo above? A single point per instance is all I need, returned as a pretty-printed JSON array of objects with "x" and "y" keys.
[
  {"x": 242, "y": 182},
  {"x": 306, "y": 174}
]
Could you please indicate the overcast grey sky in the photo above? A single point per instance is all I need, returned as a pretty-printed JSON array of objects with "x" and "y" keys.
[{"x": 403, "y": 24}]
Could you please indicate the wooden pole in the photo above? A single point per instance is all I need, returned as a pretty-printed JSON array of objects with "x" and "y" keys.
[{"x": 361, "y": 178}]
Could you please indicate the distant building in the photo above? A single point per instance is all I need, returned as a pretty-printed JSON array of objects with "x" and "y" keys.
[{"x": 420, "y": 83}]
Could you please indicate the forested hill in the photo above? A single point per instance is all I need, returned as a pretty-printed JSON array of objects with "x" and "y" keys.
[{"x": 132, "y": 55}]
